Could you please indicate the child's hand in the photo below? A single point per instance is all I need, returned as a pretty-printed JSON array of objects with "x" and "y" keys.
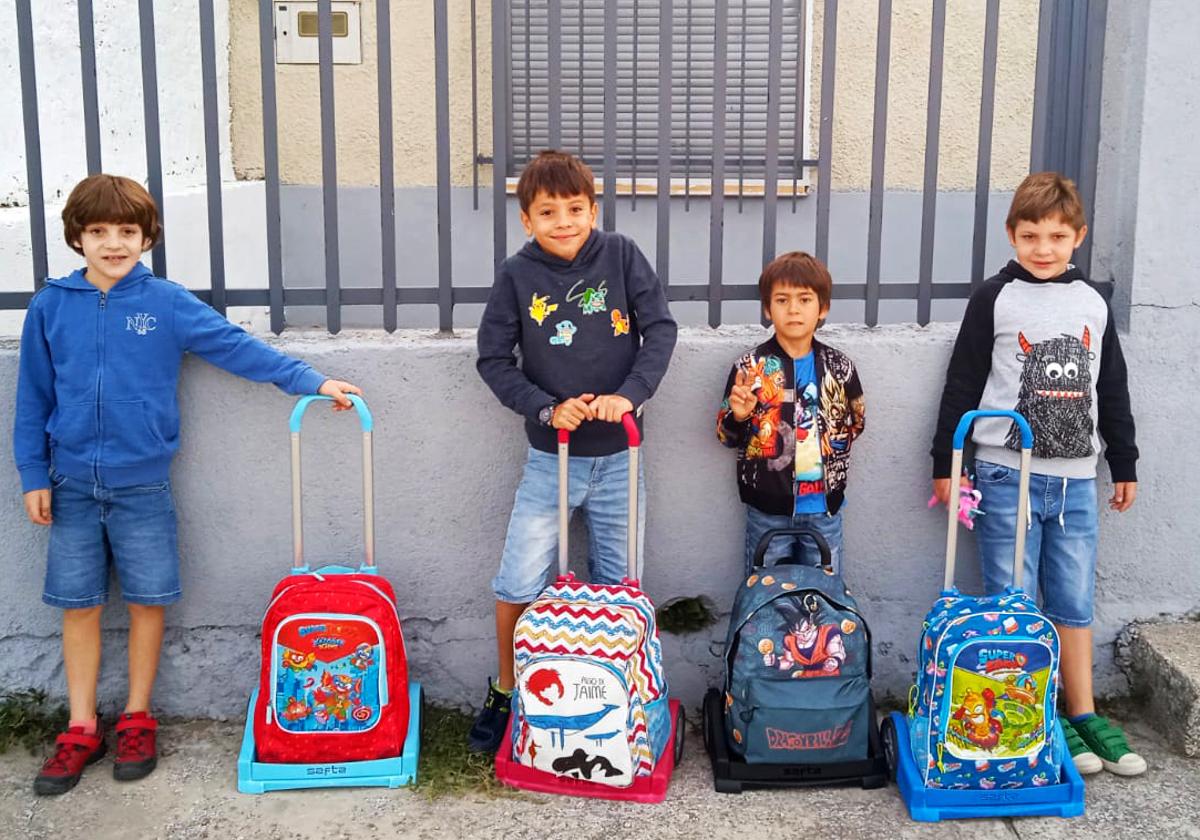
[
  {"x": 941, "y": 488},
  {"x": 611, "y": 407},
  {"x": 1124, "y": 492},
  {"x": 37, "y": 506},
  {"x": 742, "y": 398},
  {"x": 568, "y": 414},
  {"x": 338, "y": 389}
]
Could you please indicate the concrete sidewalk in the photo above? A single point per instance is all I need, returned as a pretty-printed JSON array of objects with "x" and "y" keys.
[{"x": 192, "y": 796}]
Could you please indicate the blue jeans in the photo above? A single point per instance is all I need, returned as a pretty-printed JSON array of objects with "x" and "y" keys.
[
  {"x": 799, "y": 549},
  {"x": 132, "y": 528},
  {"x": 600, "y": 486},
  {"x": 1060, "y": 540}
]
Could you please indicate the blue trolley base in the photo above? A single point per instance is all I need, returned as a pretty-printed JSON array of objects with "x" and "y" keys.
[
  {"x": 1064, "y": 799},
  {"x": 260, "y": 777}
]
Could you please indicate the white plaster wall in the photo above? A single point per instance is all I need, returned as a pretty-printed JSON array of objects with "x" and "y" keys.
[{"x": 119, "y": 90}]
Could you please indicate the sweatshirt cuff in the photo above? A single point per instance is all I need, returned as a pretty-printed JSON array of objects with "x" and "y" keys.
[
  {"x": 1123, "y": 469},
  {"x": 635, "y": 392},
  {"x": 941, "y": 464},
  {"x": 35, "y": 478},
  {"x": 310, "y": 382}
]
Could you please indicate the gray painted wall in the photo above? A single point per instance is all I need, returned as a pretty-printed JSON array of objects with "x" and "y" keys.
[{"x": 447, "y": 461}]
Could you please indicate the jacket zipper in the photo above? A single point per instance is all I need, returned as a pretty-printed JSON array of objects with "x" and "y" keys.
[{"x": 99, "y": 386}]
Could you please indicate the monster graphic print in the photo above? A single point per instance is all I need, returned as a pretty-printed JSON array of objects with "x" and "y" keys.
[{"x": 1056, "y": 396}]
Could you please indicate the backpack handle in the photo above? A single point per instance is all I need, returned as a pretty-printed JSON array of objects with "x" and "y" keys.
[
  {"x": 368, "y": 424},
  {"x": 760, "y": 553},
  {"x": 634, "y": 435},
  {"x": 960, "y": 438}
]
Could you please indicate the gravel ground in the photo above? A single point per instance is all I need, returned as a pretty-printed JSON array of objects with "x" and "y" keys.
[{"x": 192, "y": 796}]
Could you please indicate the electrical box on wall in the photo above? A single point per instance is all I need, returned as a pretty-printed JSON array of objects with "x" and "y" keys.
[{"x": 296, "y": 32}]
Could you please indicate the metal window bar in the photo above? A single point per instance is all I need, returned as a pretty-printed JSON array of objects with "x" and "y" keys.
[
  {"x": 87, "y": 72},
  {"x": 774, "y": 95},
  {"x": 387, "y": 180},
  {"x": 983, "y": 159},
  {"x": 825, "y": 154},
  {"x": 663, "y": 233},
  {"x": 933, "y": 118},
  {"x": 266, "y": 56},
  {"x": 442, "y": 116},
  {"x": 741, "y": 65},
  {"x": 154, "y": 173},
  {"x": 637, "y": 57},
  {"x": 610, "y": 114},
  {"x": 716, "y": 202},
  {"x": 33, "y": 144},
  {"x": 554, "y": 64},
  {"x": 475, "y": 159},
  {"x": 212, "y": 156},
  {"x": 883, "y": 57},
  {"x": 500, "y": 125},
  {"x": 333, "y": 303}
]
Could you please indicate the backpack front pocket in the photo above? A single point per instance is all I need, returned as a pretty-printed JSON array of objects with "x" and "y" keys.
[{"x": 804, "y": 721}]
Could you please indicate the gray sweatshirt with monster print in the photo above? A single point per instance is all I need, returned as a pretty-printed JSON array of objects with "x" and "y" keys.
[{"x": 1048, "y": 349}]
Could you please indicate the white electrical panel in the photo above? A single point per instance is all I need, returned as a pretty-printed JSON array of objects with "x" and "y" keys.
[{"x": 296, "y": 32}]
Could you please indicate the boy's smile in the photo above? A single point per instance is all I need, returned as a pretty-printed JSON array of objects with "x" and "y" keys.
[
  {"x": 795, "y": 312},
  {"x": 1044, "y": 247},
  {"x": 560, "y": 224},
  {"x": 111, "y": 250}
]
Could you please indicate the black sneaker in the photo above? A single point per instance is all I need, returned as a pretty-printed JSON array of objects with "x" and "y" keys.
[{"x": 488, "y": 730}]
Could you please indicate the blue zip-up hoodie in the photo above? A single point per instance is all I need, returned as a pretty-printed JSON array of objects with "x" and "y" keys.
[{"x": 98, "y": 375}]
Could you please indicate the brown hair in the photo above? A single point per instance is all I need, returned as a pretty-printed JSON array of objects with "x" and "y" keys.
[
  {"x": 796, "y": 268},
  {"x": 557, "y": 174},
  {"x": 112, "y": 199},
  {"x": 1045, "y": 194}
]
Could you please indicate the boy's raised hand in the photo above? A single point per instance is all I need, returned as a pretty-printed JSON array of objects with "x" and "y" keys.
[
  {"x": 338, "y": 389},
  {"x": 742, "y": 398},
  {"x": 1124, "y": 492},
  {"x": 611, "y": 407},
  {"x": 37, "y": 506},
  {"x": 569, "y": 414}
]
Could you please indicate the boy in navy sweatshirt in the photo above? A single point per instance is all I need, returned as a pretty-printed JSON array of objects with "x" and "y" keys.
[
  {"x": 591, "y": 320},
  {"x": 97, "y": 424}
]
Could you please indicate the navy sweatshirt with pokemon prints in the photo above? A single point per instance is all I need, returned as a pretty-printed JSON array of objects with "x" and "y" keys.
[{"x": 598, "y": 324}]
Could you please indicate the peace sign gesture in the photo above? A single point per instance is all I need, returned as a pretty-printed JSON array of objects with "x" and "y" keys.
[{"x": 742, "y": 398}]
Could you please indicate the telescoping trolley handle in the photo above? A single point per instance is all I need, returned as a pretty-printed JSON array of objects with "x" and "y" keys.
[
  {"x": 960, "y": 437},
  {"x": 634, "y": 436},
  {"x": 368, "y": 483}
]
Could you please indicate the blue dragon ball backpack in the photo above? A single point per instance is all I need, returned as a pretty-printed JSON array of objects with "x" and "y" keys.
[
  {"x": 797, "y": 665},
  {"x": 982, "y": 710}
]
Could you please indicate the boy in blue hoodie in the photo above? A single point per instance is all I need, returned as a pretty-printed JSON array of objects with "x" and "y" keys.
[
  {"x": 97, "y": 424},
  {"x": 591, "y": 320}
]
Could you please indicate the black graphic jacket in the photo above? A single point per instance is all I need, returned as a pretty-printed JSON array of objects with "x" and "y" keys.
[
  {"x": 766, "y": 440},
  {"x": 598, "y": 324},
  {"x": 1048, "y": 349}
]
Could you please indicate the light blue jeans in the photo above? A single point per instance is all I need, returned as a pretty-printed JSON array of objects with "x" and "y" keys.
[
  {"x": 799, "y": 549},
  {"x": 1060, "y": 540},
  {"x": 600, "y": 486}
]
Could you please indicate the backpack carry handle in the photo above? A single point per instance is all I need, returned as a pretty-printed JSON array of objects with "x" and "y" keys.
[
  {"x": 634, "y": 435},
  {"x": 960, "y": 438},
  {"x": 760, "y": 553},
  {"x": 368, "y": 424}
]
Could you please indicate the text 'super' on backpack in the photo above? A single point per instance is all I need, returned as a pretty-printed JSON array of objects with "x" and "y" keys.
[
  {"x": 334, "y": 679},
  {"x": 982, "y": 711},
  {"x": 797, "y": 665},
  {"x": 591, "y": 699}
]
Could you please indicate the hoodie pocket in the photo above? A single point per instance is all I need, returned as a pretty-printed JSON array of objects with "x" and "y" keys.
[
  {"x": 129, "y": 439},
  {"x": 72, "y": 428}
]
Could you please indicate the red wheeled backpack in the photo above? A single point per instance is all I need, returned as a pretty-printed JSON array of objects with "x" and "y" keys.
[{"x": 334, "y": 680}]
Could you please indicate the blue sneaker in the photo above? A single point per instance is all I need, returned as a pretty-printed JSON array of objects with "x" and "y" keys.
[{"x": 488, "y": 729}]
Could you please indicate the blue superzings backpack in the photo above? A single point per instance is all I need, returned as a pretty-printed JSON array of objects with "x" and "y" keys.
[
  {"x": 797, "y": 665},
  {"x": 982, "y": 711}
]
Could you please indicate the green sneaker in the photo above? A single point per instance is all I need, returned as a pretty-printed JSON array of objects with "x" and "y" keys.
[
  {"x": 1086, "y": 761},
  {"x": 1107, "y": 741}
]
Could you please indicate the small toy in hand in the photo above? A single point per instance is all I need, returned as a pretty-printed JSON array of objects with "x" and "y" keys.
[{"x": 968, "y": 502}]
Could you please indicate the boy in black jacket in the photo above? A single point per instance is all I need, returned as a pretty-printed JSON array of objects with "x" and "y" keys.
[
  {"x": 1038, "y": 339},
  {"x": 792, "y": 409},
  {"x": 591, "y": 320}
]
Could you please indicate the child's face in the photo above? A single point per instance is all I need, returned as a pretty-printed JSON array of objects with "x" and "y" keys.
[
  {"x": 795, "y": 312},
  {"x": 560, "y": 224},
  {"x": 1044, "y": 247},
  {"x": 111, "y": 249}
]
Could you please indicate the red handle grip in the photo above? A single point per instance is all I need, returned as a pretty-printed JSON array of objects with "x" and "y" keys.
[
  {"x": 564, "y": 436},
  {"x": 631, "y": 429}
]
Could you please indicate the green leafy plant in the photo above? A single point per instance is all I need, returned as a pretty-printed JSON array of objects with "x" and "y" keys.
[
  {"x": 28, "y": 718},
  {"x": 687, "y": 615},
  {"x": 447, "y": 768}
]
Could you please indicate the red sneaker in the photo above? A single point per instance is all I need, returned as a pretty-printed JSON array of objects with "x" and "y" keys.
[
  {"x": 73, "y": 751},
  {"x": 136, "y": 753}
]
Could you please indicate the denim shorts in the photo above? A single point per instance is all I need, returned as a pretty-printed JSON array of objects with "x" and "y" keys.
[
  {"x": 132, "y": 528},
  {"x": 600, "y": 486},
  {"x": 799, "y": 549},
  {"x": 1060, "y": 539}
]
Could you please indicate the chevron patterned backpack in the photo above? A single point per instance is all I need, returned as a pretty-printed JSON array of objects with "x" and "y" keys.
[{"x": 591, "y": 699}]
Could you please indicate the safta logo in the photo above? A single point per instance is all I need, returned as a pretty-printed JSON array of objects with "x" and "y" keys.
[
  {"x": 826, "y": 739},
  {"x": 141, "y": 323}
]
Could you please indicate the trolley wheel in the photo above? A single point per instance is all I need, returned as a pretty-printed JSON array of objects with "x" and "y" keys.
[
  {"x": 707, "y": 719},
  {"x": 680, "y": 732},
  {"x": 891, "y": 745}
]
